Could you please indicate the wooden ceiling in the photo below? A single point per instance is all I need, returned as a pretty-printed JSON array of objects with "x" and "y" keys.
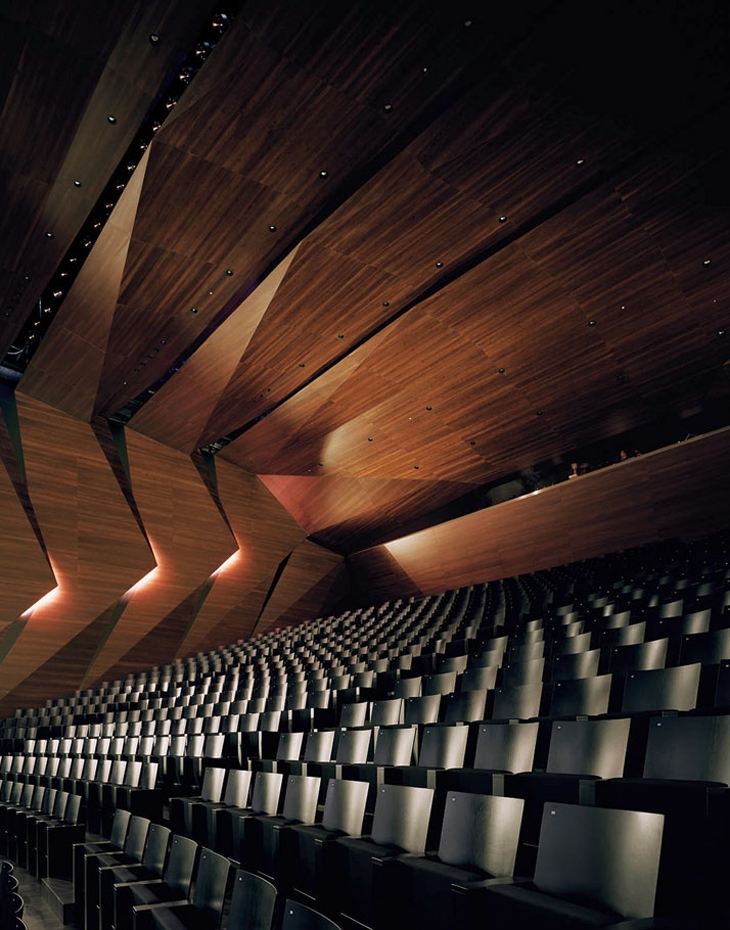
[{"x": 380, "y": 254}]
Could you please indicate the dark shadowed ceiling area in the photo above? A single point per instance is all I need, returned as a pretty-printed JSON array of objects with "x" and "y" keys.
[{"x": 373, "y": 256}]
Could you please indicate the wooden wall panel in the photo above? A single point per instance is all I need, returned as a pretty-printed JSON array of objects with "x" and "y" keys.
[
  {"x": 188, "y": 537},
  {"x": 25, "y": 575},
  {"x": 65, "y": 370},
  {"x": 298, "y": 585},
  {"x": 265, "y": 534},
  {"x": 93, "y": 541},
  {"x": 59, "y": 675},
  {"x": 677, "y": 491},
  {"x": 178, "y": 412}
]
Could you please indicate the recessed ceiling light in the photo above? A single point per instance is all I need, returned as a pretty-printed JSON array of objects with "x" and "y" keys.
[
  {"x": 193, "y": 309},
  {"x": 386, "y": 303},
  {"x": 370, "y": 438},
  {"x": 429, "y": 408},
  {"x": 58, "y": 294},
  {"x": 323, "y": 174},
  {"x": 707, "y": 261},
  {"x": 154, "y": 38},
  {"x": 503, "y": 219},
  {"x": 467, "y": 23},
  {"x": 439, "y": 264},
  {"x": 472, "y": 443},
  {"x": 229, "y": 271},
  {"x": 620, "y": 377},
  {"x": 501, "y": 371},
  {"x": 49, "y": 235},
  {"x": 388, "y": 107},
  {"x": 111, "y": 119},
  {"x": 424, "y": 69},
  {"x": 416, "y": 467},
  {"x": 538, "y": 413},
  {"x": 340, "y": 335},
  {"x": 301, "y": 364},
  {"x": 591, "y": 322},
  {"x": 721, "y": 332},
  {"x": 272, "y": 228},
  {"x": 77, "y": 183},
  {"x": 581, "y": 161}
]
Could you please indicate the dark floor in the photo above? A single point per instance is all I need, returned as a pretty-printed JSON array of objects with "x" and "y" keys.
[{"x": 37, "y": 915}]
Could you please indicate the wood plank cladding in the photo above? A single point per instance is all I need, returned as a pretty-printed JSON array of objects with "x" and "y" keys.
[
  {"x": 265, "y": 534},
  {"x": 65, "y": 371},
  {"x": 303, "y": 587},
  {"x": 189, "y": 540},
  {"x": 677, "y": 491},
  {"x": 65, "y": 69},
  {"x": 179, "y": 411},
  {"x": 94, "y": 544},
  {"x": 26, "y": 575}
]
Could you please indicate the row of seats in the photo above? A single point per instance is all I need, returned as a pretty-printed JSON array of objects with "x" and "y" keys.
[{"x": 479, "y": 692}]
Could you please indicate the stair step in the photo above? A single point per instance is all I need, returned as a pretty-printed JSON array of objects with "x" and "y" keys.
[{"x": 58, "y": 895}]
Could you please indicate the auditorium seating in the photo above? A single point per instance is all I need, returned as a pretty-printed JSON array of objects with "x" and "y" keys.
[{"x": 575, "y": 694}]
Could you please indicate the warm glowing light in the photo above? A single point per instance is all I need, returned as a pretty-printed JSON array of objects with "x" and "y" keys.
[
  {"x": 43, "y": 602},
  {"x": 142, "y": 583},
  {"x": 229, "y": 563}
]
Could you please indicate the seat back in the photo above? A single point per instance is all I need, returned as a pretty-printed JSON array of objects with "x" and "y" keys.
[
  {"x": 394, "y": 745},
  {"x": 481, "y": 831},
  {"x": 73, "y": 809},
  {"x": 465, "y": 707},
  {"x": 289, "y": 747},
  {"x": 211, "y": 882},
  {"x": 523, "y": 673},
  {"x": 353, "y": 746},
  {"x": 300, "y": 798},
  {"x": 689, "y": 748},
  {"x": 518, "y": 702},
  {"x": 266, "y": 792},
  {"x": 155, "y": 850},
  {"x": 424, "y": 709},
  {"x": 319, "y": 745},
  {"x": 387, "y": 713},
  {"x": 576, "y": 665},
  {"x": 180, "y": 865},
  {"x": 134, "y": 844},
  {"x": 344, "y": 806},
  {"x": 707, "y": 648},
  {"x": 443, "y": 747},
  {"x": 440, "y": 683},
  {"x": 506, "y": 747},
  {"x": 606, "y": 857},
  {"x": 238, "y": 786},
  {"x": 479, "y": 678},
  {"x": 640, "y": 656},
  {"x": 213, "y": 781},
  {"x": 354, "y": 715},
  {"x": 662, "y": 689},
  {"x": 253, "y": 902},
  {"x": 120, "y": 827},
  {"x": 401, "y": 817},
  {"x": 581, "y": 696},
  {"x": 589, "y": 747},
  {"x": 300, "y": 917}
]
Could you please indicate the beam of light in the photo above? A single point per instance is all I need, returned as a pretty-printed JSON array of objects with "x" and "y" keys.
[
  {"x": 229, "y": 563},
  {"x": 143, "y": 582},
  {"x": 42, "y": 602}
]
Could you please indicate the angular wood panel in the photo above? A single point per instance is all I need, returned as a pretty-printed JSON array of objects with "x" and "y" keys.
[
  {"x": 93, "y": 541},
  {"x": 265, "y": 534},
  {"x": 189, "y": 540},
  {"x": 629, "y": 504}
]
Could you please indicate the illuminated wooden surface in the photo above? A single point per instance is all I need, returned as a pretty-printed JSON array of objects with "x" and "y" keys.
[
  {"x": 93, "y": 541},
  {"x": 676, "y": 491},
  {"x": 188, "y": 537}
]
